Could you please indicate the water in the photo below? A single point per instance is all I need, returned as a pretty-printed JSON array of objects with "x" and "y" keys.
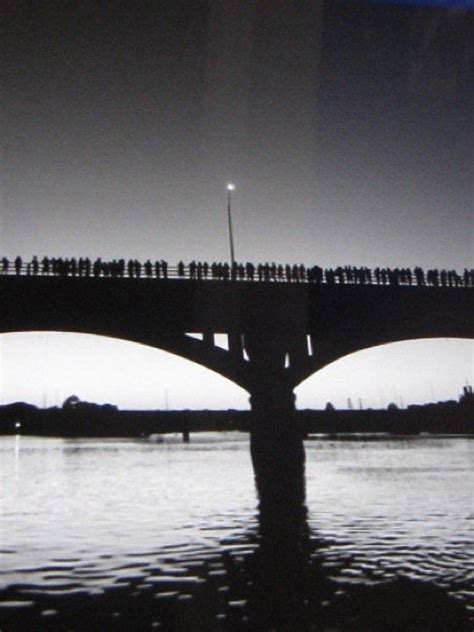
[{"x": 134, "y": 534}]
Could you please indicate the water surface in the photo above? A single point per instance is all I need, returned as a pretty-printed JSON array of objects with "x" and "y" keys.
[{"x": 175, "y": 528}]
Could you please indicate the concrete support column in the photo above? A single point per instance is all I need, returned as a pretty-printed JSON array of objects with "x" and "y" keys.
[
  {"x": 235, "y": 344},
  {"x": 208, "y": 339},
  {"x": 277, "y": 450}
]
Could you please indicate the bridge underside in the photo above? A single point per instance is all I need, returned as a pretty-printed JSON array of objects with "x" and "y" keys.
[{"x": 278, "y": 334}]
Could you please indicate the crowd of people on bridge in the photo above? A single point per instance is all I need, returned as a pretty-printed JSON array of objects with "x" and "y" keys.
[{"x": 268, "y": 272}]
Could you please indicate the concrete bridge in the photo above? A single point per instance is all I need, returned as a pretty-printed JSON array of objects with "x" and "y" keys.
[{"x": 278, "y": 333}]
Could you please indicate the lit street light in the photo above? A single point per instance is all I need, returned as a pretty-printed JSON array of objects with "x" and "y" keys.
[{"x": 230, "y": 188}]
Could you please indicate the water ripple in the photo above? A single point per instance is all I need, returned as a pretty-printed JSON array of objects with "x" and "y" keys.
[{"x": 149, "y": 530}]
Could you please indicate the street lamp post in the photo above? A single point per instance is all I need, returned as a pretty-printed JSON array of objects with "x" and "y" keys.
[{"x": 230, "y": 188}]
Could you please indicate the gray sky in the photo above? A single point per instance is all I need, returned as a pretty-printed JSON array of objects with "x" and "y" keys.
[
  {"x": 342, "y": 126},
  {"x": 346, "y": 127}
]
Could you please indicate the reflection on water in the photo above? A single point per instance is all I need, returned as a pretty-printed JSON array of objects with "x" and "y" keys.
[{"x": 135, "y": 535}]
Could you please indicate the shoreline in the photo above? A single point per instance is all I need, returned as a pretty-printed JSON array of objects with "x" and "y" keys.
[{"x": 91, "y": 420}]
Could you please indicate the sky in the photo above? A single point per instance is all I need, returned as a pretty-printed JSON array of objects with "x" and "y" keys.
[
  {"x": 132, "y": 376},
  {"x": 346, "y": 127}
]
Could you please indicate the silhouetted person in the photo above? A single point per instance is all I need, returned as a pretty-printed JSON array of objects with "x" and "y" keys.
[
  {"x": 394, "y": 277},
  {"x": 97, "y": 267},
  {"x": 467, "y": 278},
  {"x": 433, "y": 277},
  {"x": 419, "y": 276},
  {"x": 18, "y": 264},
  {"x": 5, "y": 265},
  {"x": 250, "y": 270},
  {"x": 273, "y": 271},
  {"x": 317, "y": 274},
  {"x": 266, "y": 272}
]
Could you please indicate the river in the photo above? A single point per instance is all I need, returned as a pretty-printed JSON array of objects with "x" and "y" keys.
[{"x": 143, "y": 535}]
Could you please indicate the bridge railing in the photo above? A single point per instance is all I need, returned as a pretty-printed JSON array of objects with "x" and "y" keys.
[{"x": 239, "y": 272}]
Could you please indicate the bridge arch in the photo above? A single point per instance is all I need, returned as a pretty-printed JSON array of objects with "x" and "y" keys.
[
  {"x": 116, "y": 359},
  {"x": 379, "y": 372},
  {"x": 203, "y": 352}
]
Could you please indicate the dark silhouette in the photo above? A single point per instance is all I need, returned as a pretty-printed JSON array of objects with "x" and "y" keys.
[
  {"x": 85, "y": 419},
  {"x": 264, "y": 272},
  {"x": 148, "y": 268},
  {"x": 164, "y": 268},
  {"x": 35, "y": 265}
]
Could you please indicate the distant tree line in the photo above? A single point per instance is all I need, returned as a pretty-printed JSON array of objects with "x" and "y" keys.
[{"x": 85, "y": 267}]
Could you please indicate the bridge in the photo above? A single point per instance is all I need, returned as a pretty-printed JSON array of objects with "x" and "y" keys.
[{"x": 278, "y": 333}]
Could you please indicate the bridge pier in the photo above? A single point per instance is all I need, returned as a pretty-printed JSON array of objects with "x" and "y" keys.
[
  {"x": 276, "y": 441},
  {"x": 277, "y": 450}
]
